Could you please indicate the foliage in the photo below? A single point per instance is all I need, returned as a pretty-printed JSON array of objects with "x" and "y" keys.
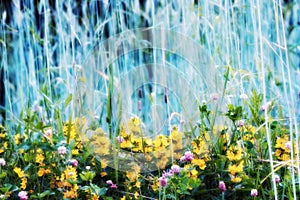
[{"x": 40, "y": 161}]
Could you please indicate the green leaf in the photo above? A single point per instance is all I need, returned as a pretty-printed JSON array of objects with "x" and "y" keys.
[
  {"x": 68, "y": 100},
  {"x": 97, "y": 190},
  {"x": 87, "y": 176},
  {"x": 3, "y": 175}
]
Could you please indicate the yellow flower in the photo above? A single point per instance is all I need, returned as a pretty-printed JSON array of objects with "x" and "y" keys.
[
  {"x": 5, "y": 145},
  {"x": 1, "y": 150},
  {"x": 123, "y": 198},
  {"x": 23, "y": 183},
  {"x": 17, "y": 138},
  {"x": 102, "y": 174},
  {"x": 236, "y": 179},
  {"x": 285, "y": 157},
  {"x": 193, "y": 174},
  {"x": 176, "y": 135},
  {"x": 160, "y": 142},
  {"x": 69, "y": 130},
  {"x": 199, "y": 146},
  {"x": 43, "y": 171},
  {"x": 100, "y": 142},
  {"x": 2, "y": 135},
  {"x": 103, "y": 163},
  {"x": 137, "y": 184},
  {"x": 39, "y": 158},
  {"x": 70, "y": 194},
  {"x": 248, "y": 137},
  {"x": 199, "y": 162},
  {"x": 70, "y": 173},
  {"x": 147, "y": 145},
  {"x": 234, "y": 153},
  {"x": 137, "y": 144},
  {"x": 155, "y": 185},
  {"x": 280, "y": 142},
  {"x": 134, "y": 174},
  {"x": 136, "y": 195},
  {"x": 134, "y": 126},
  {"x": 234, "y": 169},
  {"x": 278, "y": 153},
  {"x": 126, "y": 144},
  {"x": 20, "y": 172},
  {"x": 75, "y": 152}
]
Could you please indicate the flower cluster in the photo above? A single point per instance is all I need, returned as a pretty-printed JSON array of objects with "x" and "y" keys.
[
  {"x": 76, "y": 160},
  {"x": 283, "y": 148}
]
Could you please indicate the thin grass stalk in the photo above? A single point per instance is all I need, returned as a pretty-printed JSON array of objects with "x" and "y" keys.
[{"x": 262, "y": 65}]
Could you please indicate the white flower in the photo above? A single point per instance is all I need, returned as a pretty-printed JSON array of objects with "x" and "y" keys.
[
  {"x": 240, "y": 123},
  {"x": 276, "y": 178},
  {"x": 244, "y": 96},
  {"x": 23, "y": 195},
  {"x": 62, "y": 150},
  {"x": 254, "y": 192},
  {"x": 288, "y": 145},
  {"x": 2, "y": 162}
]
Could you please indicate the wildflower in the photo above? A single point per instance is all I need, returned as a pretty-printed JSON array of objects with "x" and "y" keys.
[
  {"x": 236, "y": 179},
  {"x": 23, "y": 183},
  {"x": 23, "y": 195},
  {"x": 112, "y": 185},
  {"x": 244, "y": 96},
  {"x": 214, "y": 96},
  {"x": 70, "y": 194},
  {"x": 39, "y": 158},
  {"x": 120, "y": 139},
  {"x": 200, "y": 163},
  {"x": 100, "y": 142},
  {"x": 134, "y": 126},
  {"x": 193, "y": 174},
  {"x": 281, "y": 142},
  {"x": 175, "y": 169},
  {"x": 17, "y": 138},
  {"x": 69, "y": 130},
  {"x": 62, "y": 150},
  {"x": 276, "y": 178},
  {"x": 48, "y": 133},
  {"x": 265, "y": 106},
  {"x": 240, "y": 123},
  {"x": 20, "y": 172},
  {"x": 236, "y": 168},
  {"x": 70, "y": 173},
  {"x": 163, "y": 181},
  {"x": 89, "y": 167},
  {"x": 43, "y": 171},
  {"x": 254, "y": 192},
  {"x": 222, "y": 186},
  {"x": 74, "y": 162},
  {"x": 75, "y": 152},
  {"x": 160, "y": 142},
  {"x": 168, "y": 173},
  {"x": 188, "y": 156},
  {"x": 2, "y": 162},
  {"x": 288, "y": 145},
  {"x": 234, "y": 153}
]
